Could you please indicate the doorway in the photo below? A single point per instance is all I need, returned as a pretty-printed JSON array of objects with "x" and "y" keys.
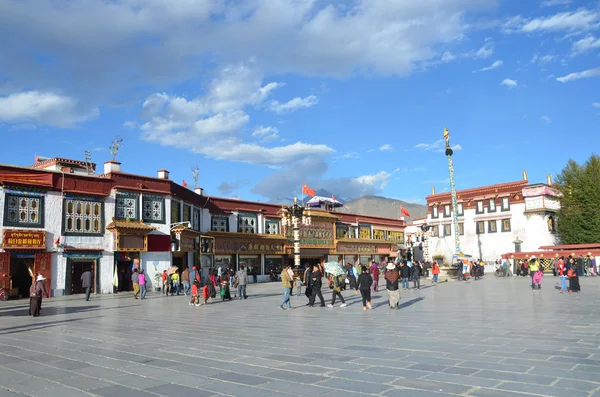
[
  {"x": 124, "y": 270},
  {"x": 20, "y": 276},
  {"x": 77, "y": 267}
]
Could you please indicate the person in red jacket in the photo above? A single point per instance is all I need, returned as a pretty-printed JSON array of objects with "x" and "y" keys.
[{"x": 435, "y": 271}]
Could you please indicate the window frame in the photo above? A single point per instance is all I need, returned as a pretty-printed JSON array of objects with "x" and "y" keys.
[
  {"x": 495, "y": 223},
  {"x": 460, "y": 209},
  {"x": 247, "y": 215},
  {"x": 447, "y": 207},
  {"x": 189, "y": 212},
  {"x": 509, "y": 225},
  {"x": 362, "y": 227},
  {"x": 178, "y": 204},
  {"x": 502, "y": 207},
  {"x": 128, "y": 195},
  {"x": 435, "y": 211},
  {"x": 461, "y": 228},
  {"x": 196, "y": 223},
  {"x": 272, "y": 222},
  {"x": 63, "y": 227},
  {"x": 478, "y": 204},
  {"x": 152, "y": 198},
  {"x": 490, "y": 202},
  {"x": 41, "y": 211},
  {"x": 215, "y": 217},
  {"x": 340, "y": 227},
  {"x": 479, "y": 230},
  {"x": 449, "y": 228},
  {"x": 435, "y": 231}
]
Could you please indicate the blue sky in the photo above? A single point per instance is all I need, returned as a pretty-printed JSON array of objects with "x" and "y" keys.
[{"x": 349, "y": 96}]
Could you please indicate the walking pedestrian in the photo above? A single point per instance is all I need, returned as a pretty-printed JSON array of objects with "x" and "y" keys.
[
  {"x": 435, "y": 272},
  {"x": 315, "y": 286},
  {"x": 142, "y": 282},
  {"x": 375, "y": 274},
  {"x": 534, "y": 266},
  {"x": 286, "y": 282},
  {"x": 573, "y": 280},
  {"x": 165, "y": 285},
  {"x": 185, "y": 279},
  {"x": 86, "y": 283},
  {"x": 175, "y": 283},
  {"x": 336, "y": 282},
  {"x": 404, "y": 274},
  {"x": 364, "y": 286},
  {"x": 241, "y": 278},
  {"x": 391, "y": 284},
  {"x": 136, "y": 283},
  {"x": 351, "y": 275},
  {"x": 416, "y": 275},
  {"x": 195, "y": 290},
  {"x": 36, "y": 291}
]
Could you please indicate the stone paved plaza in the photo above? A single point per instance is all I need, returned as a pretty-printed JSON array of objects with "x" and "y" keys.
[{"x": 493, "y": 337}]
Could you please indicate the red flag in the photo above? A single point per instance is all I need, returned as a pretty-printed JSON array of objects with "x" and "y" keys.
[
  {"x": 308, "y": 191},
  {"x": 404, "y": 211},
  {"x": 57, "y": 241},
  {"x": 333, "y": 198},
  {"x": 184, "y": 183}
]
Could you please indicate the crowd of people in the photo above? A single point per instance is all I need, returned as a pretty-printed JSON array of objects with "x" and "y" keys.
[{"x": 362, "y": 279}]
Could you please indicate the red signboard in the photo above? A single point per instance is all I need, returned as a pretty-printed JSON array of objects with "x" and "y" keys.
[
  {"x": 34, "y": 179},
  {"x": 23, "y": 239}
]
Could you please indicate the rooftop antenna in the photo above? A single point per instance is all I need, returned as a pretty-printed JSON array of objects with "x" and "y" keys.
[
  {"x": 114, "y": 147},
  {"x": 88, "y": 162},
  {"x": 195, "y": 172}
]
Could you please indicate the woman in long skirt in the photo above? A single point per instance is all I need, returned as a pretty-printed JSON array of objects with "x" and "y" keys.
[{"x": 35, "y": 296}]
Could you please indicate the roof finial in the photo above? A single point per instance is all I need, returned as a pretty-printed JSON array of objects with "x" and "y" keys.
[
  {"x": 525, "y": 175},
  {"x": 549, "y": 179},
  {"x": 433, "y": 190}
]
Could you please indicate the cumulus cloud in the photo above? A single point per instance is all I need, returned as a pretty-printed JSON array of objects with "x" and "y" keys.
[
  {"x": 580, "y": 75},
  {"x": 44, "y": 108},
  {"x": 448, "y": 57},
  {"x": 584, "y": 45},
  {"x": 266, "y": 133},
  {"x": 545, "y": 119},
  {"x": 509, "y": 83},
  {"x": 293, "y": 104},
  {"x": 577, "y": 21},
  {"x": 493, "y": 66}
]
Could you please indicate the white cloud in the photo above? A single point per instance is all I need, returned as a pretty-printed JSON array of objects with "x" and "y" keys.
[
  {"x": 509, "y": 83},
  {"x": 580, "y": 75},
  {"x": 574, "y": 22},
  {"x": 349, "y": 155},
  {"x": 266, "y": 133},
  {"x": 380, "y": 179},
  {"x": 386, "y": 147},
  {"x": 584, "y": 45},
  {"x": 293, "y": 104},
  {"x": 130, "y": 124},
  {"x": 437, "y": 146},
  {"x": 596, "y": 105},
  {"x": 485, "y": 51},
  {"x": 448, "y": 57},
  {"x": 552, "y": 3},
  {"x": 542, "y": 59},
  {"x": 44, "y": 108},
  {"x": 494, "y": 65},
  {"x": 545, "y": 119}
]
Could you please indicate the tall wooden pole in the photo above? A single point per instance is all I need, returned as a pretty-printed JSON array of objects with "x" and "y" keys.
[{"x": 453, "y": 190}]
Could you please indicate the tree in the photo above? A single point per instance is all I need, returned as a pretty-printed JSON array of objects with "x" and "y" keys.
[{"x": 579, "y": 214}]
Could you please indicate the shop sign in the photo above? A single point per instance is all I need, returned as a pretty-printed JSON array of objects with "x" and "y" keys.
[
  {"x": 356, "y": 249},
  {"x": 250, "y": 247},
  {"x": 383, "y": 249},
  {"x": 315, "y": 235},
  {"x": 23, "y": 239},
  {"x": 82, "y": 255}
]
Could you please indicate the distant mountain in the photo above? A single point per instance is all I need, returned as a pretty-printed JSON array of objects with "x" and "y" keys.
[{"x": 383, "y": 207}]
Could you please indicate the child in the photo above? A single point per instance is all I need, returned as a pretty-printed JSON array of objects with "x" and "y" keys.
[
  {"x": 537, "y": 279},
  {"x": 195, "y": 299},
  {"x": 573, "y": 281},
  {"x": 298, "y": 285}
]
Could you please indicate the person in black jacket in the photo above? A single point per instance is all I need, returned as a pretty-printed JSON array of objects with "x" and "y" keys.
[
  {"x": 364, "y": 286},
  {"x": 416, "y": 275},
  {"x": 405, "y": 274},
  {"x": 315, "y": 286}
]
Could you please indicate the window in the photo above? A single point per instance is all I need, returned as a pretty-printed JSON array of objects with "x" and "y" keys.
[
  {"x": 247, "y": 223},
  {"x": 127, "y": 206},
  {"x": 447, "y": 211},
  {"x": 82, "y": 216},
  {"x": 378, "y": 234},
  {"x": 24, "y": 211},
  {"x": 153, "y": 208},
  {"x": 175, "y": 211},
  {"x": 434, "y": 211},
  {"x": 479, "y": 208},
  {"x": 551, "y": 224},
  {"x": 480, "y": 227},
  {"x": 492, "y": 226},
  {"x": 460, "y": 208},
  {"x": 447, "y": 230},
  {"x": 196, "y": 219},
  {"x": 341, "y": 231},
  {"x": 435, "y": 231},
  {"x": 505, "y": 204},
  {"x": 506, "y": 225},
  {"x": 219, "y": 223},
  {"x": 461, "y": 229},
  {"x": 395, "y": 236},
  {"x": 364, "y": 232},
  {"x": 187, "y": 213},
  {"x": 492, "y": 205},
  {"x": 272, "y": 226},
  {"x": 353, "y": 232}
]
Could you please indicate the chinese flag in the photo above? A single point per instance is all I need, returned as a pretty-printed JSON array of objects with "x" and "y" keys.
[
  {"x": 308, "y": 191},
  {"x": 404, "y": 211},
  {"x": 57, "y": 241},
  {"x": 333, "y": 198},
  {"x": 184, "y": 183}
]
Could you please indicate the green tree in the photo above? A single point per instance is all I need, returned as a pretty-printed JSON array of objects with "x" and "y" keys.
[{"x": 579, "y": 214}]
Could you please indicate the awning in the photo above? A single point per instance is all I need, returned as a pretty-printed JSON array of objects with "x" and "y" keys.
[{"x": 124, "y": 226}]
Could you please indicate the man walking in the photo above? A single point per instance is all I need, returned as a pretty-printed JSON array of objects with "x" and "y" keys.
[
  {"x": 286, "y": 282},
  {"x": 391, "y": 284},
  {"x": 86, "y": 283},
  {"x": 136, "y": 283},
  {"x": 242, "y": 280},
  {"x": 185, "y": 279}
]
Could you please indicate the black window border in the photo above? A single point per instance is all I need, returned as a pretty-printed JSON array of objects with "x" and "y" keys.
[
  {"x": 449, "y": 228},
  {"x": 477, "y": 227},
  {"x": 490, "y": 226},
  {"x": 461, "y": 232},
  {"x": 477, "y": 207},
  {"x": 137, "y": 205},
  {"x": 449, "y": 210},
  {"x": 64, "y": 217},
  {"x": 509, "y": 225},
  {"x": 247, "y": 214},
  {"x": 41, "y": 213},
  {"x": 164, "y": 216},
  {"x": 502, "y": 204},
  {"x": 267, "y": 221},
  {"x": 435, "y": 230},
  {"x": 460, "y": 208},
  {"x": 180, "y": 215},
  {"x": 437, "y": 207},
  {"x": 490, "y": 205},
  {"x": 194, "y": 211},
  {"x": 219, "y": 216}
]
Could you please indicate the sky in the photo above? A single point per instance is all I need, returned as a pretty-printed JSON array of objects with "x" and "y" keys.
[{"x": 262, "y": 96}]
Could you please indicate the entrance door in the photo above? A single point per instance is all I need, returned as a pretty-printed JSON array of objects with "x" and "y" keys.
[
  {"x": 77, "y": 269},
  {"x": 124, "y": 273},
  {"x": 20, "y": 276}
]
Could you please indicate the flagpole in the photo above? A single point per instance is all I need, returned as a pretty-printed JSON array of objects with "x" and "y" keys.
[{"x": 302, "y": 189}]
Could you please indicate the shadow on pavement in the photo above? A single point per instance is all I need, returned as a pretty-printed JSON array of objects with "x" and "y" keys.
[{"x": 35, "y": 326}]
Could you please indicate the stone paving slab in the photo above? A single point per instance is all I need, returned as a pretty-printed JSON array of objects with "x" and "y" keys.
[{"x": 507, "y": 341}]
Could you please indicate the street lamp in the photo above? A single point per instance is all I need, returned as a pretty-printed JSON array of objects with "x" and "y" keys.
[{"x": 295, "y": 216}]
